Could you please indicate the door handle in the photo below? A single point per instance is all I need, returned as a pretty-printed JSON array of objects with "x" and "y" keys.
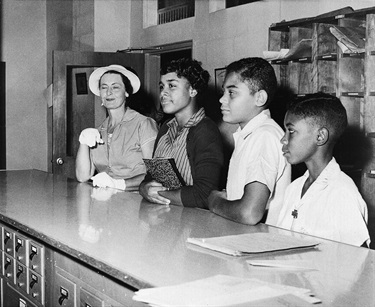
[{"x": 59, "y": 161}]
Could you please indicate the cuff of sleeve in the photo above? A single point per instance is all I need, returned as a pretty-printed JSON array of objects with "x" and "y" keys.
[{"x": 120, "y": 184}]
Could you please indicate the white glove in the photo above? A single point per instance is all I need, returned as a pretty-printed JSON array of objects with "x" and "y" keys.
[
  {"x": 103, "y": 180},
  {"x": 90, "y": 136}
]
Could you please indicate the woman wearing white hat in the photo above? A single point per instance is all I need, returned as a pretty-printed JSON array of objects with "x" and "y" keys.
[{"x": 115, "y": 150}]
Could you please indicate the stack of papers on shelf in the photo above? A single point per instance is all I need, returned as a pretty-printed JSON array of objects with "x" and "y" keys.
[
  {"x": 275, "y": 55},
  {"x": 252, "y": 243},
  {"x": 303, "y": 49},
  {"x": 350, "y": 40},
  {"x": 223, "y": 290}
]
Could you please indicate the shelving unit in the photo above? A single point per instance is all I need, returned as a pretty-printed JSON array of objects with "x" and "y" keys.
[{"x": 349, "y": 76}]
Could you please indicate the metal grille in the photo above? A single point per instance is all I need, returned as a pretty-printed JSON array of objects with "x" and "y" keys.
[{"x": 175, "y": 12}]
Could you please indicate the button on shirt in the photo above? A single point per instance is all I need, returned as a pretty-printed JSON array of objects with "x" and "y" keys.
[
  {"x": 331, "y": 208},
  {"x": 258, "y": 156}
]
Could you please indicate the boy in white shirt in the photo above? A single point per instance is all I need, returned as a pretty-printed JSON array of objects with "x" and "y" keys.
[
  {"x": 258, "y": 173},
  {"x": 324, "y": 202}
]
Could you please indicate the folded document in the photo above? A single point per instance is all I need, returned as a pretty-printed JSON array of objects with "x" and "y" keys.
[
  {"x": 252, "y": 243},
  {"x": 223, "y": 290}
]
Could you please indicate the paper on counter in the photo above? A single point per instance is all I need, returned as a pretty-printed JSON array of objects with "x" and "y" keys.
[
  {"x": 253, "y": 243},
  {"x": 283, "y": 264},
  {"x": 223, "y": 290}
]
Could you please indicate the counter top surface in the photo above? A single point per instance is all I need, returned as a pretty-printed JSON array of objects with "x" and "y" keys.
[{"x": 144, "y": 245}]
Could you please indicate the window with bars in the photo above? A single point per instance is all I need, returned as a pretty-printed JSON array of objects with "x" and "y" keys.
[
  {"x": 172, "y": 10},
  {"x": 232, "y": 3}
]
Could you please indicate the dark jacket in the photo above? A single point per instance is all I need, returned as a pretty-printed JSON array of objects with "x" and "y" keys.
[{"x": 205, "y": 153}]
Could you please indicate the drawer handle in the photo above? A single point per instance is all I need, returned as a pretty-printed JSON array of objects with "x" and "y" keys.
[
  {"x": 18, "y": 246},
  {"x": 20, "y": 271},
  {"x": 33, "y": 282},
  {"x": 64, "y": 295},
  {"x": 62, "y": 298},
  {"x": 33, "y": 253}
]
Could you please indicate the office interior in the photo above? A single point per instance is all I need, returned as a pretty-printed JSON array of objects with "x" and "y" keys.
[{"x": 31, "y": 31}]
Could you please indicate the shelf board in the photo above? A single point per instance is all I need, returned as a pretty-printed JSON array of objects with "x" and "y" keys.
[
  {"x": 323, "y": 57},
  {"x": 330, "y": 17},
  {"x": 285, "y": 62},
  {"x": 370, "y": 175},
  {"x": 354, "y": 55},
  {"x": 279, "y": 62},
  {"x": 327, "y": 57},
  {"x": 303, "y": 95},
  {"x": 302, "y": 60},
  {"x": 353, "y": 94}
]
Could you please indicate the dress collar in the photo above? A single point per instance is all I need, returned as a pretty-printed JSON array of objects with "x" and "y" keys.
[{"x": 128, "y": 116}]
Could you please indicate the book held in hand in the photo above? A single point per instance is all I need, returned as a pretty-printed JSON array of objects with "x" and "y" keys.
[{"x": 164, "y": 170}]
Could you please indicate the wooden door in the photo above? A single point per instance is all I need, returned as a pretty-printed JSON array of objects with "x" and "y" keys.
[{"x": 74, "y": 106}]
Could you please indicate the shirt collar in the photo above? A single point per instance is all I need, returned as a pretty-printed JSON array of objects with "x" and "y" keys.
[
  {"x": 195, "y": 119},
  {"x": 331, "y": 169},
  {"x": 253, "y": 124}
]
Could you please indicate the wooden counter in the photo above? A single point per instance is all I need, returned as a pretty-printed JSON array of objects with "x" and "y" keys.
[{"x": 142, "y": 245}]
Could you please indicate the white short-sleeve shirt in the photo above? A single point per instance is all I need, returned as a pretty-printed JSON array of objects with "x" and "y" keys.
[
  {"x": 257, "y": 156},
  {"x": 332, "y": 208}
]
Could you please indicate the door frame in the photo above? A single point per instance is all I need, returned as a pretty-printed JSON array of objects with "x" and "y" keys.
[{"x": 153, "y": 62}]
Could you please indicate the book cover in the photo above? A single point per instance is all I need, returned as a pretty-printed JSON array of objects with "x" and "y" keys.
[{"x": 164, "y": 170}]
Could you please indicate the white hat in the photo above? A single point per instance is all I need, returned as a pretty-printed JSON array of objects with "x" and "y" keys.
[{"x": 99, "y": 72}]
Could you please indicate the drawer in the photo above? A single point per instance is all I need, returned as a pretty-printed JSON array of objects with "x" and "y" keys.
[
  {"x": 20, "y": 249},
  {"x": 9, "y": 268},
  {"x": 88, "y": 299},
  {"x": 14, "y": 298},
  {"x": 8, "y": 241},
  {"x": 36, "y": 257},
  {"x": 36, "y": 286},
  {"x": 64, "y": 291},
  {"x": 21, "y": 276}
]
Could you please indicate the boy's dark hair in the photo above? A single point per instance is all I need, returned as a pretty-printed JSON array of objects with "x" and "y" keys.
[
  {"x": 189, "y": 69},
  {"x": 325, "y": 110},
  {"x": 257, "y": 73}
]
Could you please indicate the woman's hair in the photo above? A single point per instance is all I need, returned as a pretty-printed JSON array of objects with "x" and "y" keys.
[
  {"x": 128, "y": 85},
  {"x": 257, "y": 73},
  {"x": 189, "y": 69},
  {"x": 323, "y": 110}
]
